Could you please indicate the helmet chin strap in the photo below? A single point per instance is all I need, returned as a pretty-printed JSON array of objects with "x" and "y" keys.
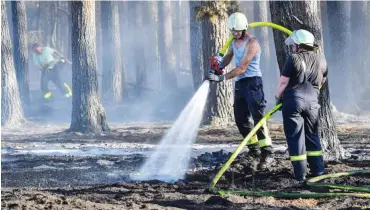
[{"x": 243, "y": 34}]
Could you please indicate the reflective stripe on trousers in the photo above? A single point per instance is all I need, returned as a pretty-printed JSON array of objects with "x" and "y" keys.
[
  {"x": 314, "y": 153},
  {"x": 298, "y": 157}
]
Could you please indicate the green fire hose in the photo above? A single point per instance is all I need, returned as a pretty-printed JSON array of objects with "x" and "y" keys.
[
  {"x": 359, "y": 191},
  {"x": 365, "y": 192}
]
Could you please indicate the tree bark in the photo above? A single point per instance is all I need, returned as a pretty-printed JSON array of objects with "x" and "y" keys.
[
  {"x": 178, "y": 36},
  {"x": 21, "y": 50},
  {"x": 262, "y": 34},
  {"x": 141, "y": 9},
  {"x": 358, "y": 52},
  {"x": 8, "y": 6},
  {"x": 165, "y": 42},
  {"x": 215, "y": 33},
  {"x": 99, "y": 45},
  {"x": 61, "y": 27},
  {"x": 196, "y": 46},
  {"x": 325, "y": 26},
  {"x": 260, "y": 15},
  {"x": 88, "y": 115},
  {"x": 185, "y": 22},
  {"x": 122, "y": 8},
  {"x": 157, "y": 59},
  {"x": 367, "y": 52},
  {"x": 283, "y": 13},
  {"x": 35, "y": 16},
  {"x": 112, "y": 64},
  {"x": 48, "y": 22},
  {"x": 11, "y": 108},
  {"x": 339, "y": 31}
]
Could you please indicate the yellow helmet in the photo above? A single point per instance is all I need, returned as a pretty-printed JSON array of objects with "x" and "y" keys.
[{"x": 237, "y": 21}]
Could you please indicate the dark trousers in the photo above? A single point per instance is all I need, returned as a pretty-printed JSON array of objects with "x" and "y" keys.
[
  {"x": 301, "y": 116},
  {"x": 52, "y": 75},
  {"x": 249, "y": 107}
]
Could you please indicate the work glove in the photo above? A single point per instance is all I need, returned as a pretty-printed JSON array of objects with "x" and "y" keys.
[{"x": 214, "y": 77}]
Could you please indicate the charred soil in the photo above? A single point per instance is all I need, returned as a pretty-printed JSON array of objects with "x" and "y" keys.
[{"x": 190, "y": 193}]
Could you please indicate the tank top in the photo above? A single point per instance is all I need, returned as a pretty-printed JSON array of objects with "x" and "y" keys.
[{"x": 253, "y": 69}]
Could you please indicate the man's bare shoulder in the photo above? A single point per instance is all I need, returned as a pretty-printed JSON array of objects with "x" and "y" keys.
[
  {"x": 253, "y": 42},
  {"x": 254, "y": 45}
]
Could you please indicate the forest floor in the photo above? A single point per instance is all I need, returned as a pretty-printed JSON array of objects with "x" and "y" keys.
[{"x": 45, "y": 168}]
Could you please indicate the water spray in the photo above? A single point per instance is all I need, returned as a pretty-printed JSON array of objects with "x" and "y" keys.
[{"x": 170, "y": 160}]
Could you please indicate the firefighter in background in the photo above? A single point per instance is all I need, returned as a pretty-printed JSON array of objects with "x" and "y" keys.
[
  {"x": 249, "y": 99},
  {"x": 50, "y": 62},
  {"x": 303, "y": 74}
]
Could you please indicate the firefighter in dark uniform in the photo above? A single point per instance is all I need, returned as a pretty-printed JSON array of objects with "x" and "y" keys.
[
  {"x": 249, "y": 98},
  {"x": 303, "y": 74}
]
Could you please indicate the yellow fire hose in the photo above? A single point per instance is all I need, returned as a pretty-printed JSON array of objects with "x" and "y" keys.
[{"x": 311, "y": 182}]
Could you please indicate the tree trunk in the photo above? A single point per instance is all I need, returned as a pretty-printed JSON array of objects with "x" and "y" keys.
[
  {"x": 177, "y": 37},
  {"x": 88, "y": 115},
  {"x": 358, "y": 52},
  {"x": 215, "y": 34},
  {"x": 48, "y": 22},
  {"x": 141, "y": 9},
  {"x": 8, "y": 6},
  {"x": 60, "y": 28},
  {"x": 367, "y": 52},
  {"x": 260, "y": 15},
  {"x": 21, "y": 50},
  {"x": 157, "y": 58},
  {"x": 37, "y": 25},
  {"x": 112, "y": 64},
  {"x": 196, "y": 46},
  {"x": 325, "y": 27},
  {"x": 11, "y": 108},
  {"x": 282, "y": 13},
  {"x": 165, "y": 42},
  {"x": 262, "y": 34},
  {"x": 99, "y": 45},
  {"x": 185, "y": 21},
  {"x": 339, "y": 31},
  {"x": 123, "y": 29}
]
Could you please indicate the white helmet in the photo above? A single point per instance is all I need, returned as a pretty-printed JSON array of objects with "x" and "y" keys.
[
  {"x": 237, "y": 21},
  {"x": 301, "y": 36}
]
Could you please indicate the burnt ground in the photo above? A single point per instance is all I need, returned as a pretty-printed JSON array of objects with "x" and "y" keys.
[{"x": 80, "y": 181}]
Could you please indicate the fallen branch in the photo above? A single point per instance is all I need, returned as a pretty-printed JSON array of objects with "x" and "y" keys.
[{"x": 297, "y": 19}]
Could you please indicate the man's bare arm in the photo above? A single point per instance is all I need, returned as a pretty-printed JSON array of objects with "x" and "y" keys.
[
  {"x": 283, "y": 83},
  {"x": 252, "y": 50},
  {"x": 228, "y": 57},
  {"x": 58, "y": 54}
]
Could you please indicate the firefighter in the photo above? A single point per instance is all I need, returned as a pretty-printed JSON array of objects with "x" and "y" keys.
[
  {"x": 303, "y": 74},
  {"x": 49, "y": 62},
  {"x": 249, "y": 100}
]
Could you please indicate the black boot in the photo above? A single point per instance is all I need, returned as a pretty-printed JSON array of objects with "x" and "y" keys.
[
  {"x": 266, "y": 158},
  {"x": 316, "y": 164},
  {"x": 300, "y": 170},
  {"x": 253, "y": 151}
]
